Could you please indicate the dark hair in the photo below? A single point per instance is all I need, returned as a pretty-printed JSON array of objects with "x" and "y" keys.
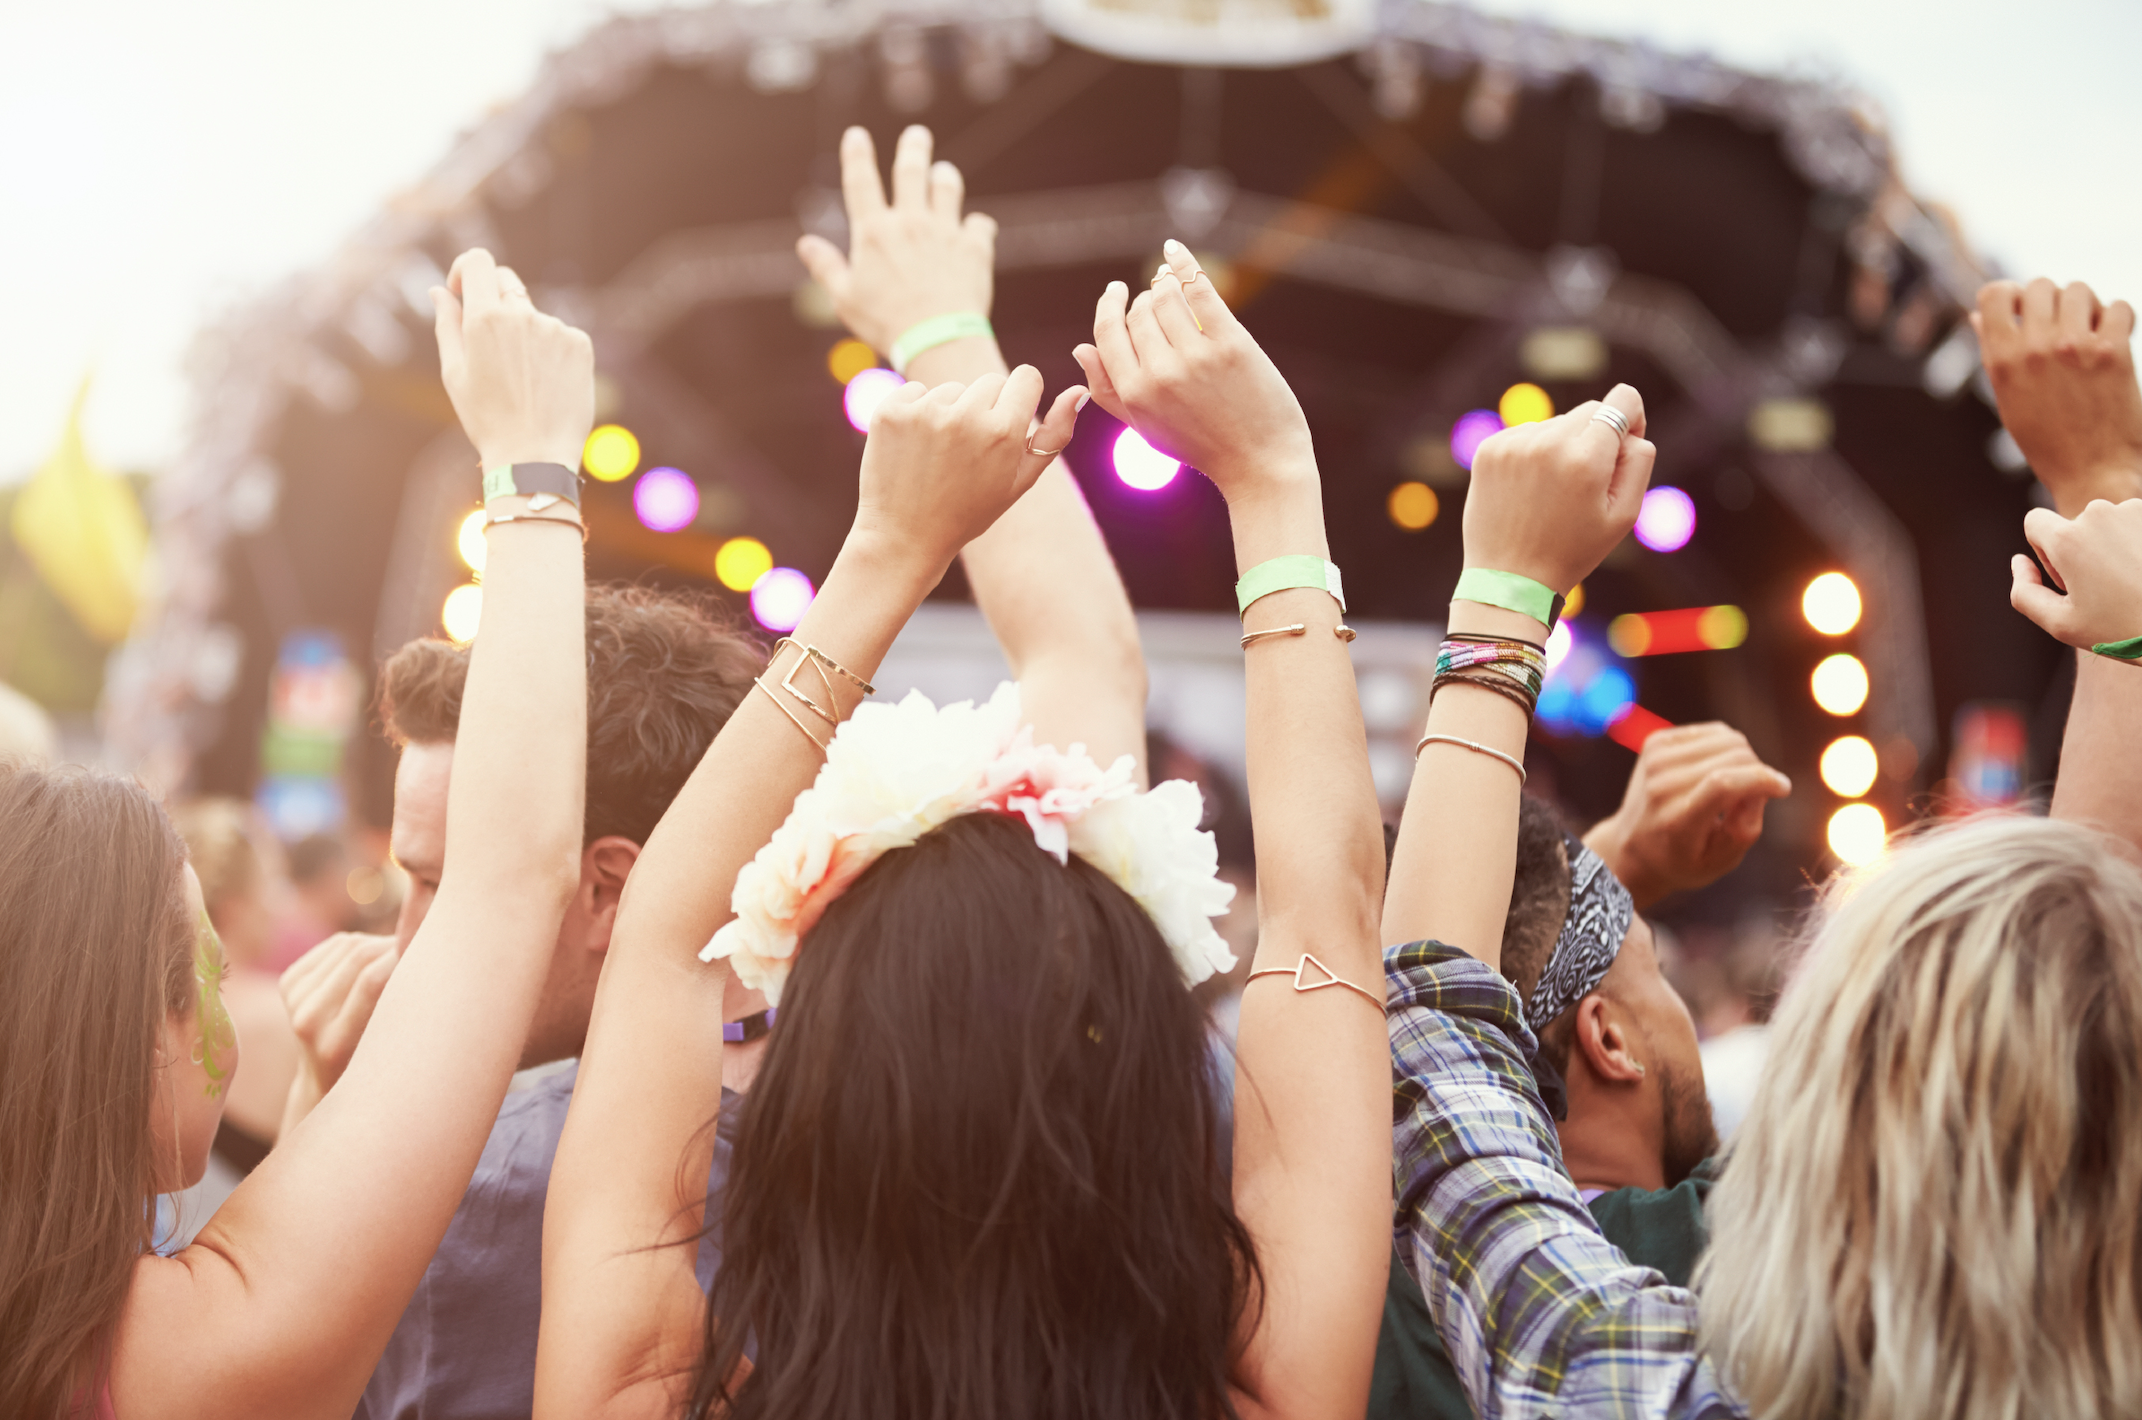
[
  {"x": 665, "y": 672},
  {"x": 978, "y": 1175},
  {"x": 96, "y": 949},
  {"x": 1539, "y": 901}
]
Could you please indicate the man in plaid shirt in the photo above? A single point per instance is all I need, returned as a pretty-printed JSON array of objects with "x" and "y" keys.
[{"x": 1541, "y": 1315}]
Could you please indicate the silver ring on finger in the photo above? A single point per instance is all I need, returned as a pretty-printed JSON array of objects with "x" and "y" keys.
[{"x": 1613, "y": 418}]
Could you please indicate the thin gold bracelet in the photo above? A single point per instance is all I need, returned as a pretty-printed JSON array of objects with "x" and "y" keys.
[
  {"x": 1297, "y": 629},
  {"x": 1304, "y": 983},
  {"x": 794, "y": 719}
]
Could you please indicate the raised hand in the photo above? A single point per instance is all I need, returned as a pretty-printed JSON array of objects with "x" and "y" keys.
[
  {"x": 1176, "y": 365},
  {"x": 523, "y": 383},
  {"x": 1550, "y": 500},
  {"x": 330, "y": 992},
  {"x": 2095, "y": 559},
  {"x": 1693, "y": 809},
  {"x": 942, "y": 464},
  {"x": 2063, "y": 369},
  {"x": 908, "y": 259}
]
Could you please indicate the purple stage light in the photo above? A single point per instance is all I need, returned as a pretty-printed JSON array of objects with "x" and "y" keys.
[
  {"x": 1471, "y": 430},
  {"x": 1142, "y": 466},
  {"x": 781, "y": 597},
  {"x": 666, "y": 499},
  {"x": 1667, "y": 520},
  {"x": 866, "y": 392}
]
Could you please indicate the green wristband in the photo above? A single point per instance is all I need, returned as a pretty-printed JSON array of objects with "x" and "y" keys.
[
  {"x": 509, "y": 480},
  {"x": 936, "y": 331},
  {"x": 1282, "y": 573},
  {"x": 2128, "y": 650},
  {"x": 1510, "y": 592}
]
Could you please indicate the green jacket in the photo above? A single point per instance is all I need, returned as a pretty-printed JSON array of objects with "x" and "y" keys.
[{"x": 1414, "y": 1378}]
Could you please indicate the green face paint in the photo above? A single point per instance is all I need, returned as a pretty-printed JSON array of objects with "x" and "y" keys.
[{"x": 218, "y": 1036}]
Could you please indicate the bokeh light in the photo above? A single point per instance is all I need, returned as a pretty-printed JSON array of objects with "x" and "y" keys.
[
  {"x": 740, "y": 562},
  {"x": 1470, "y": 432},
  {"x": 1412, "y": 506},
  {"x": 1721, "y": 628},
  {"x": 1667, "y": 520},
  {"x": 611, "y": 454},
  {"x": 1560, "y": 642},
  {"x": 462, "y": 611},
  {"x": 1857, "y": 833},
  {"x": 468, "y": 540},
  {"x": 1524, "y": 404},
  {"x": 1141, "y": 465},
  {"x": 866, "y": 391},
  {"x": 665, "y": 499},
  {"x": 1573, "y": 604},
  {"x": 1840, "y": 684},
  {"x": 1849, "y": 766},
  {"x": 780, "y": 598},
  {"x": 1831, "y": 604},
  {"x": 848, "y": 359}
]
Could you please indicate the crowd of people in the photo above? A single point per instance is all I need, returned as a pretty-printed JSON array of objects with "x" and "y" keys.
[{"x": 877, "y": 1087}]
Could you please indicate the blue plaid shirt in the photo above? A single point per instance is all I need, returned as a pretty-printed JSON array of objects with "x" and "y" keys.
[{"x": 1541, "y": 1315}]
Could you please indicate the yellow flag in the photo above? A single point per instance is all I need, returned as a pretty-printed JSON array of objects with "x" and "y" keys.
[{"x": 83, "y": 530}]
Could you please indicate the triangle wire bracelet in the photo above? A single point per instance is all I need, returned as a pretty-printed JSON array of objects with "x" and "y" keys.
[{"x": 1304, "y": 982}]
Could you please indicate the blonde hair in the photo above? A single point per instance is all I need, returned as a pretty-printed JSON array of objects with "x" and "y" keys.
[{"x": 1935, "y": 1205}]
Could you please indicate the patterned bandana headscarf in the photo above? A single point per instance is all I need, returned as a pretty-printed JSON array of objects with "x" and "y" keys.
[{"x": 1600, "y": 911}]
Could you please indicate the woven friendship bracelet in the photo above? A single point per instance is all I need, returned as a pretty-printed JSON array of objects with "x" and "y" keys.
[
  {"x": 1285, "y": 573},
  {"x": 936, "y": 331}
]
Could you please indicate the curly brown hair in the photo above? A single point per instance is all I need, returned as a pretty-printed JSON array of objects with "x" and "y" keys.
[{"x": 665, "y": 672}]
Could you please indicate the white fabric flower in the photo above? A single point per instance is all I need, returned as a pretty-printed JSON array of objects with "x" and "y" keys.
[{"x": 894, "y": 772}]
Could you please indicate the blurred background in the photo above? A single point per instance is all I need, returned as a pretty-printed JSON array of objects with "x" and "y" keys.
[{"x": 231, "y": 482}]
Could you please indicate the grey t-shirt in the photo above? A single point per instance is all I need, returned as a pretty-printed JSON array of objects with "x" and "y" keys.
[{"x": 466, "y": 1347}]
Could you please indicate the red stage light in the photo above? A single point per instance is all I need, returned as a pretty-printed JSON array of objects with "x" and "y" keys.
[
  {"x": 1666, "y": 633},
  {"x": 1635, "y": 725}
]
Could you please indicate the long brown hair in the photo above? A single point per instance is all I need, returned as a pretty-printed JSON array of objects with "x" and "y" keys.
[
  {"x": 95, "y": 950},
  {"x": 979, "y": 1174}
]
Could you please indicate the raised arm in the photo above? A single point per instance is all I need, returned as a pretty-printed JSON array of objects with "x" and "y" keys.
[
  {"x": 1547, "y": 502},
  {"x": 623, "y": 1316},
  {"x": 1312, "y": 1115},
  {"x": 1041, "y": 575},
  {"x": 2062, "y": 365},
  {"x": 2095, "y": 562},
  {"x": 1692, "y": 810},
  {"x": 282, "y": 1304}
]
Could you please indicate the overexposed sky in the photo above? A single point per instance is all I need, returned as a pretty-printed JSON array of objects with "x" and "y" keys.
[{"x": 158, "y": 162}]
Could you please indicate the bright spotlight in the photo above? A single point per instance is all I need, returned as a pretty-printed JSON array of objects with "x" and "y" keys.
[
  {"x": 462, "y": 611},
  {"x": 1857, "y": 833},
  {"x": 1470, "y": 432},
  {"x": 1840, "y": 684},
  {"x": 866, "y": 391},
  {"x": 848, "y": 359},
  {"x": 611, "y": 453},
  {"x": 780, "y": 598},
  {"x": 1849, "y": 766},
  {"x": 1524, "y": 404},
  {"x": 1412, "y": 506},
  {"x": 468, "y": 540},
  {"x": 741, "y": 562},
  {"x": 1141, "y": 465},
  {"x": 665, "y": 499},
  {"x": 1667, "y": 520},
  {"x": 1831, "y": 604}
]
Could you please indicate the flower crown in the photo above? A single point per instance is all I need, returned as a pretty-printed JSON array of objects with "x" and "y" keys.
[{"x": 894, "y": 772}]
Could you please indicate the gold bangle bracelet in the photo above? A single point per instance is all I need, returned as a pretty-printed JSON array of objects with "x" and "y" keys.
[
  {"x": 492, "y": 520},
  {"x": 793, "y": 718},
  {"x": 1303, "y": 982},
  {"x": 1297, "y": 629}
]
